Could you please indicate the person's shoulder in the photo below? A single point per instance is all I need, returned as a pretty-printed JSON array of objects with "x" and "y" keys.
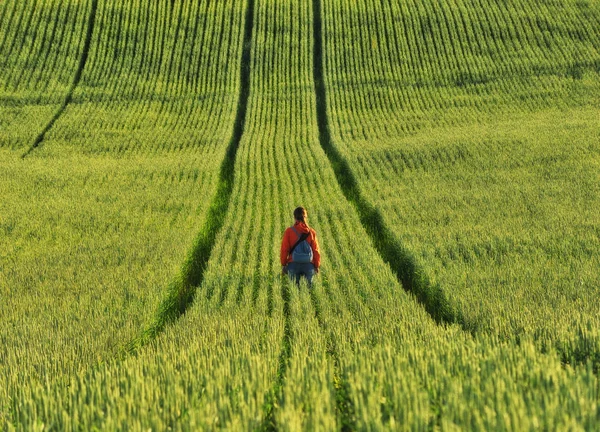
[{"x": 312, "y": 231}]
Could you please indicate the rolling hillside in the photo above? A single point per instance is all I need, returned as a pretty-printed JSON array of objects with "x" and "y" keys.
[{"x": 152, "y": 153}]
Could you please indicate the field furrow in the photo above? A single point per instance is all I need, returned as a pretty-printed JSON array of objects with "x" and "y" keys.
[
  {"x": 26, "y": 106},
  {"x": 82, "y": 61},
  {"x": 182, "y": 291},
  {"x": 345, "y": 410}
]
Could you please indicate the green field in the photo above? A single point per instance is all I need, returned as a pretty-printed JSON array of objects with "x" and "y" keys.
[{"x": 152, "y": 153}]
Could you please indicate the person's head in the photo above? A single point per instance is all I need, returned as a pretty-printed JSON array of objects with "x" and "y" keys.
[{"x": 300, "y": 214}]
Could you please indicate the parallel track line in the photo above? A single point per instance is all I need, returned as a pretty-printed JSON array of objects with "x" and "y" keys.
[
  {"x": 181, "y": 292},
  {"x": 404, "y": 266}
]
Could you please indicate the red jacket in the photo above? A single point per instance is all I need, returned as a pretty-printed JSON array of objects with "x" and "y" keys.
[{"x": 290, "y": 238}]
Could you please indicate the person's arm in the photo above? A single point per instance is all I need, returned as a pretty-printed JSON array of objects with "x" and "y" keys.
[
  {"x": 285, "y": 249},
  {"x": 316, "y": 252}
]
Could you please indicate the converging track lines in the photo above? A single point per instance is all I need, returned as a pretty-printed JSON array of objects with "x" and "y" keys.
[
  {"x": 82, "y": 62},
  {"x": 181, "y": 292}
]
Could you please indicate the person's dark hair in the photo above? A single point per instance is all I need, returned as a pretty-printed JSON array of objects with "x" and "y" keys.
[{"x": 300, "y": 214}]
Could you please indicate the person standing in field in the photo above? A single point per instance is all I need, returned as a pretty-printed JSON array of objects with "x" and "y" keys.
[{"x": 300, "y": 255}]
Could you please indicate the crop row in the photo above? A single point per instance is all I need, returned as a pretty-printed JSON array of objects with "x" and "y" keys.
[
  {"x": 41, "y": 44},
  {"x": 423, "y": 65}
]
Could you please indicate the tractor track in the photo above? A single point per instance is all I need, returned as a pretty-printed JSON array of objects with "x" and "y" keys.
[
  {"x": 181, "y": 292},
  {"x": 272, "y": 398},
  {"x": 401, "y": 262},
  {"x": 69, "y": 97},
  {"x": 343, "y": 403}
]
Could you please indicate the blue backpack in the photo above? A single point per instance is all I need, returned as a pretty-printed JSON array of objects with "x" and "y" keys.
[{"x": 301, "y": 252}]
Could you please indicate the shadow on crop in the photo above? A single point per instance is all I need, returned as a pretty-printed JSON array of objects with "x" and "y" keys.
[
  {"x": 344, "y": 406},
  {"x": 274, "y": 395}
]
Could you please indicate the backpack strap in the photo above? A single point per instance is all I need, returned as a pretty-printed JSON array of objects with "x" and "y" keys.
[{"x": 301, "y": 238}]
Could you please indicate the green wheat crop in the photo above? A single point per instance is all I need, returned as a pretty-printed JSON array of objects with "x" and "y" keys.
[{"x": 152, "y": 153}]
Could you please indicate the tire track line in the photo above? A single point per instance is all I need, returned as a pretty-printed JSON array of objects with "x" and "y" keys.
[
  {"x": 402, "y": 263},
  {"x": 272, "y": 399},
  {"x": 69, "y": 97},
  {"x": 181, "y": 292},
  {"x": 343, "y": 403}
]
